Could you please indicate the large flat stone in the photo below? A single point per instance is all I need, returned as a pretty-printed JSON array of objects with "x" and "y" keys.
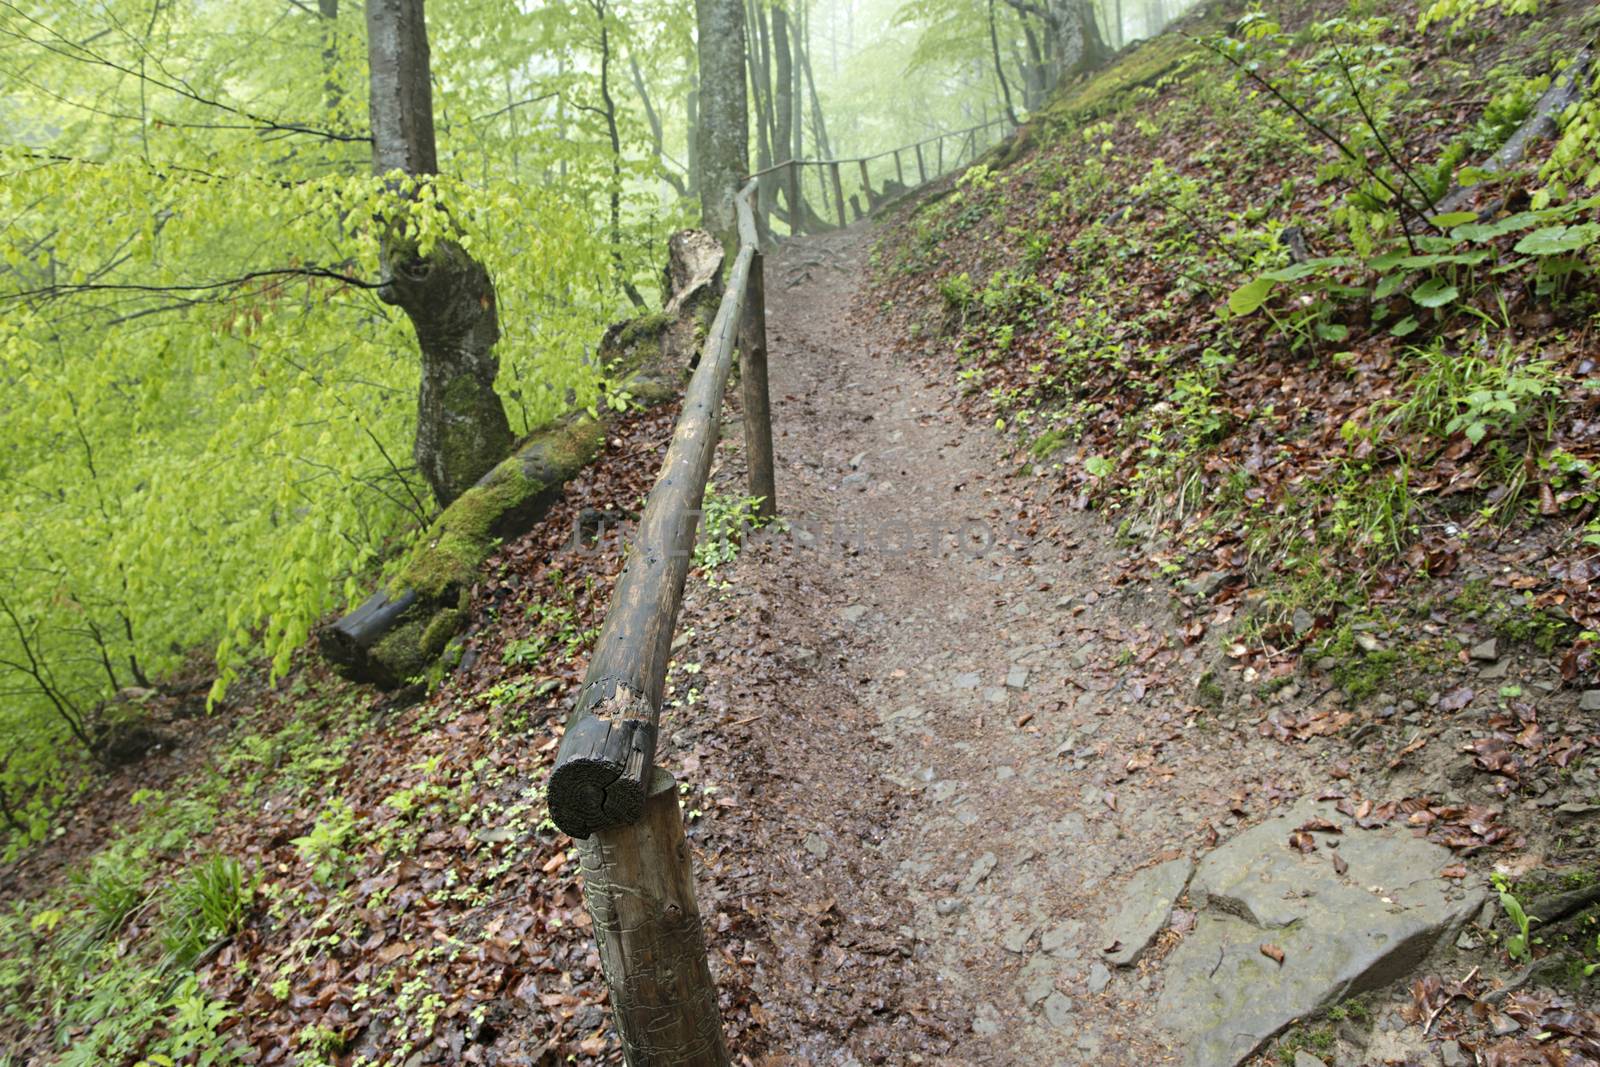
[
  {"x": 1340, "y": 936},
  {"x": 1147, "y": 904}
]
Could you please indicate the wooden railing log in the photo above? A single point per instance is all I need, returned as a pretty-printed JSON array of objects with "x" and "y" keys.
[{"x": 609, "y": 746}]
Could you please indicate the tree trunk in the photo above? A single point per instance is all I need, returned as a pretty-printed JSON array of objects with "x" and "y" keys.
[
  {"x": 691, "y": 109},
  {"x": 796, "y": 87},
  {"x": 724, "y": 116},
  {"x": 462, "y": 430},
  {"x": 783, "y": 105},
  {"x": 761, "y": 89},
  {"x": 817, "y": 121},
  {"x": 999, "y": 68},
  {"x": 614, "y": 199},
  {"x": 329, "y": 10},
  {"x": 1079, "y": 47}
]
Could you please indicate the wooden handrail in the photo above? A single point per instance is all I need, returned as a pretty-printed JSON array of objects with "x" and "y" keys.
[
  {"x": 638, "y": 879},
  {"x": 602, "y": 768}
]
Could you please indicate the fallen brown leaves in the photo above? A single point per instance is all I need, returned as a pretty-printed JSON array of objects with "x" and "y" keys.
[{"x": 1516, "y": 1029}]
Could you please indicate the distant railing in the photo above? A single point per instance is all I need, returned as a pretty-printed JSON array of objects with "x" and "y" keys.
[
  {"x": 844, "y": 188},
  {"x": 605, "y": 790}
]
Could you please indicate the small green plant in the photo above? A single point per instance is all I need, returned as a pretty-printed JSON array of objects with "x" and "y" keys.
[
  {"x": 1520, "y": 945},
  {"x": 1477, "y": 396},
  {"x": 113, "y": 888},
  {"x": 723, "y": 522},
  {"x": 323, "y": 847},
  {"x": 209, "y": 903}
]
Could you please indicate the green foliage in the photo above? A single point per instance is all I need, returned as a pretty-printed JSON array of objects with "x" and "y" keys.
[
  {"x": 324, "y": 847},
  {"x": 209, "y": 412},
  {"x": 723, "y": 523},
  {"x": 556, "y": 625},
  {"x": 1465, "y": 393},
  {"x": 113, "y": 889},
  {"x": 1460, "y": 12},
  {"x": 208, "y": 903}
]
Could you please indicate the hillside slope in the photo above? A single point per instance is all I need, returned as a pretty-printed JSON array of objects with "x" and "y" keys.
[{"x": 1270, "y": 296}]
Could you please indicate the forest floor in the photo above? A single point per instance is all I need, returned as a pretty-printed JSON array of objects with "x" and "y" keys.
[{"x": 1109, "y": 737}]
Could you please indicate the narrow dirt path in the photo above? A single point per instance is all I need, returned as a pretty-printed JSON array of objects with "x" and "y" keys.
[{"x": 958, "y": 734}]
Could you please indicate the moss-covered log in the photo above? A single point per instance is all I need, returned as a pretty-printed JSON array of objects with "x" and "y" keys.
[{"x": 402, "y": 629}]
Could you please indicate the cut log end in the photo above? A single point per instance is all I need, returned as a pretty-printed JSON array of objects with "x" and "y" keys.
[{"x": 588, "y": 794}]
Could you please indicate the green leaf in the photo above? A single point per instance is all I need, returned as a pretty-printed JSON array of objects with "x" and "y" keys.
[
  {"x": 1332, "y": 331},
  {"x": 1250, "y": 296},
  {"x": 1454, "y": 218},
  {"x": 1435, "y": 292},
  {"x": 1296, "y": 271},
  {"x": 1388, "y": 285},
  {"x": 1559, "y": 240},
  {"x": 1405, "y": 327}
]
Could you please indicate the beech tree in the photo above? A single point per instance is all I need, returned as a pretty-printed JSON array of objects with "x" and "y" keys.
[
  {"x": 462, "y": 429},
  {"x": 723, "y": 129}
]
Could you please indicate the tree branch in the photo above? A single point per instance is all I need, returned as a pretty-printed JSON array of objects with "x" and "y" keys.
[{"x": 55, "y": 292}]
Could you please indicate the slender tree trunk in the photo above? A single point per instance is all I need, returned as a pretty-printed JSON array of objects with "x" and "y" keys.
[
  {"x": 691, "y": 109},
  {"x": 724, "y": 114},
  {"x": 818, "y": 122},
  {"x": 797, "y": 95},
  {"x": 657, "y": 138},
  {"x": 783, "y": 91},
  {"x": 462, "y": 430},
  {"x": 760, "y": 88},
  {"x": 329, "y": 10},
  {"x": 999, "y": 68},
  {"x": 614, "y": 198}
]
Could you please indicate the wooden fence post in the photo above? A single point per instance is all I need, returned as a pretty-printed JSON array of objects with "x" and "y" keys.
[
  {"x": 638, "y": 883},
  {"x": 766, "y": 196},
  {"x": 838, "y": 195},
  {"x": 757, "y": 405},
  {"x": 866, "y": 184},
  {"x": 899, "y": 171},
  {"x": 922, "y": 168},
  {"x": 940, "y": 164},
  {"x": 796, "y": 204}
]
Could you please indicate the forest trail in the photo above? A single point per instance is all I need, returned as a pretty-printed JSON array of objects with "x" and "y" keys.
[{"x": 959, "y": 755}]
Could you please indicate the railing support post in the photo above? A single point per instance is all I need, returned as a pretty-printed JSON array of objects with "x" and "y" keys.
[
  {"x": 922, "y": 168},
  {"x": 757, "y": 404},
  {"x": 899, "y": 171},
  {"x": 797, "y": 212},
  {"x": 866, "y": 185},
  {"x": 940, "y": 164},
  {"x": 638, "y": 884},
  {"x": 838, "y": 195}
]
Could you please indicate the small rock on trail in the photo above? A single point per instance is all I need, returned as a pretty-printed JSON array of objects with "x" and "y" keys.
[{"x": 1147, "y": 903}]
